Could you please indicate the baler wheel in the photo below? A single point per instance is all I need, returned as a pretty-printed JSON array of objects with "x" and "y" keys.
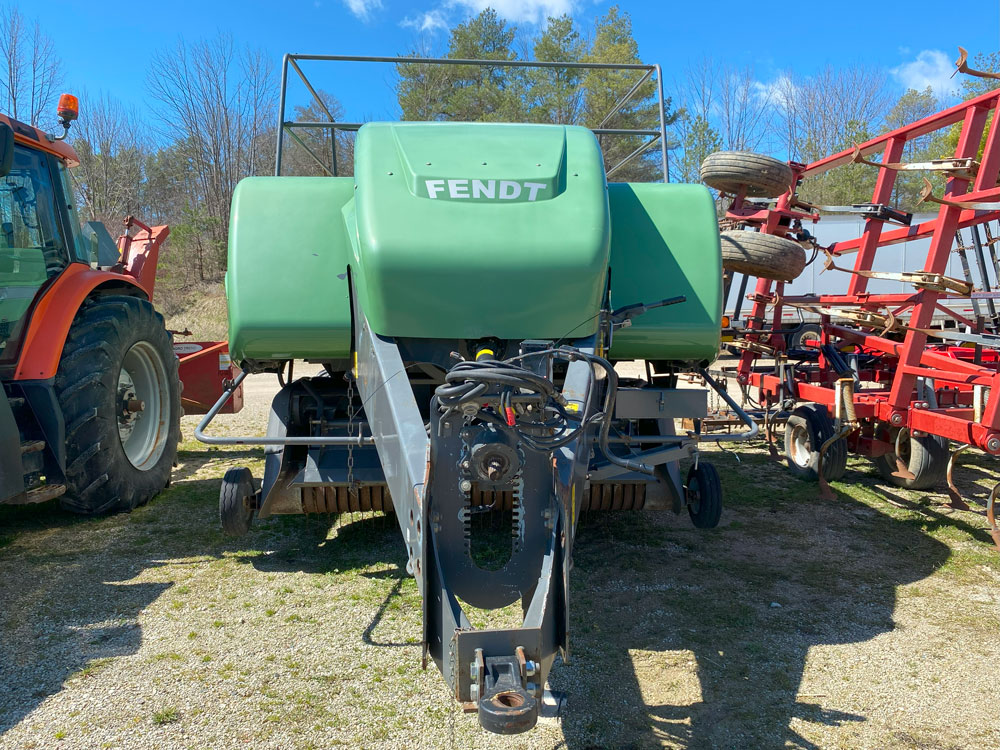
[
  {"x": 925, "y": 456},
  {"x": 704, "y": 495},
  {"x": 118, "y": 389},
  {"x": 807, "y": 428},
  {"x": 765, "y": 256},
  {"x": 731, "y": 171},
  {"x": 236, "y": 501}
]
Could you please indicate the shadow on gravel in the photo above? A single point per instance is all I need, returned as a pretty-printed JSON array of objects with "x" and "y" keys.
[
  {"x": 694, "y": 639},
  {"x": 66, "y": 601},
  {"x": 65, "y": 607}
]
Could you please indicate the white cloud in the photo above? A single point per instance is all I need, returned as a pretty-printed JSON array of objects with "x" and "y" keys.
[
  {"x": 776, "y": 92},
  {"x": 363, "y": 9},
  {"x": 430, "y": 21},
  {"x": 527, "y": 11},
  {"x": 931, "y": 68}
]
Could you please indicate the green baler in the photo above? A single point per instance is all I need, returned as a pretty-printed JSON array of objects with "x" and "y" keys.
[{"x": 468, "y": 292}]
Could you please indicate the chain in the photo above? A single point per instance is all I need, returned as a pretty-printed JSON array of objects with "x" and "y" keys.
[{"x": 350, "y": 431}]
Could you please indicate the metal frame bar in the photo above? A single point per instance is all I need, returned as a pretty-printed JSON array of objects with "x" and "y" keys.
[{"x": 648, "y": 72}]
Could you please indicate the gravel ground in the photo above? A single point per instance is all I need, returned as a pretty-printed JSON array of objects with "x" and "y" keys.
[{"x": 869, "y": 622}]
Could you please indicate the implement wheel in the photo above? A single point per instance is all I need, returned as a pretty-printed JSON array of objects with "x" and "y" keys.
[
  {"x": 236, "y": 498},
  {"x": 731, "y": 171},
  {"x": 926, "y": 457},
  {"x": 120, "y": 397},
  {"x": 704, "y": 495},
  {"x": 806, "y": 430},
  {"x": 762, "y": 255}
]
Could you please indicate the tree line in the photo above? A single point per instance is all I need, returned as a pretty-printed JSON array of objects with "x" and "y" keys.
[{"x": 212, "y": 120}]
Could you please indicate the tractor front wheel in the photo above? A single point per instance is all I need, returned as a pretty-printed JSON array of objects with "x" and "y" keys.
[{"x": 118, "y": 389}]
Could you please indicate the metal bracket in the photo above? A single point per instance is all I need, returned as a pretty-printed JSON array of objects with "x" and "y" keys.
[
  {"x": 962, "y": 66},
  {"x": 753, "y": 346},
  {"x": 926, "y": 195},
  {"x": 933, "y": 282},
  {"x": 966, "y": 167}
]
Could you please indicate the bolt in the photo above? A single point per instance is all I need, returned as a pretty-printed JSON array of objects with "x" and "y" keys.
[
  {"x": 494, "y": 468},
  {"x": 465, "y": 464},
  {"x": 465, "y": 485},
  {"x": 474, "y": 671},
  {"x": 474, "y": 693},
  {"x": 530, "y": 667},
  {"x": 993, "y": 445},
  {"x": 896, "y": 419},
  {"x": 532, "y": 688}
]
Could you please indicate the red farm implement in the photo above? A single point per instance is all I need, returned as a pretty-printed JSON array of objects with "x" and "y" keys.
[{"x": 876, "y": 380}]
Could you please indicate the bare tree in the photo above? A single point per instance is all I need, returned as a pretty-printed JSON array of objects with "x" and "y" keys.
[
  {"x": 32, "y": 72},
  {"x": 830, "y": 112},
  {"x": 816, "y": 112},
  {"x": 216, "y": 101},
  {"x": 724, "y": 108},
  {"x": 110, "y": 143}
]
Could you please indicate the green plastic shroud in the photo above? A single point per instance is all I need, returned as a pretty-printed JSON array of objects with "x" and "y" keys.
[
  {"x": 286, "y": 282},
  {"x": 665, "y": 243},
  {"x": 469, "y": 230}
]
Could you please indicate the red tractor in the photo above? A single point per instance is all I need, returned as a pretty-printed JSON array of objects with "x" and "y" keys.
[{"x": 92, "y": 399}]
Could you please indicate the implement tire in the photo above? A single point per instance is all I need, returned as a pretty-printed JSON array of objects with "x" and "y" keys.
[
  {"x": 807, "y": 428},
  {"x": 704, "y": 496},
  {"x": 235, "y": 514},
  {"x": 762, "y": 176},
  {"x": 926, "y": 457},
  {"x": 762, "y": 255},
  {"x": 118, "y": 389}
]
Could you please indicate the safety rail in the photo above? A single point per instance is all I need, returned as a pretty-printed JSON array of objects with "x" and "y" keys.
[{"x": 655, "y": 136}]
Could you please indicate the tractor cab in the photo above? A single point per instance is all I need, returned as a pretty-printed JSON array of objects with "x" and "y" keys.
[{"x": 39, "y": 231}]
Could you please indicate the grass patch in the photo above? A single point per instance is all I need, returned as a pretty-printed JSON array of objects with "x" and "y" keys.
[
  {"x": 91, "y": 669},
  {"x": 166, "y": 716}
]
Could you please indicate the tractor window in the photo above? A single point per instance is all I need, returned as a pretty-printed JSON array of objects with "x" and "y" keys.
[
  {"x": 79, "y": 247},
  {"x": 31, "y": 246}
]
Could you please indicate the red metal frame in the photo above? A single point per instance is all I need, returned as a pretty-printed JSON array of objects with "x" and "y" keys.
[
  {"x": 205, "y": 369},
  {"x": 899, "y": 363}
]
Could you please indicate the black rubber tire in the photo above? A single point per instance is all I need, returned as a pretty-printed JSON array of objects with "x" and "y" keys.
[
  {"x": 815, "y": 421},
  {"x": 704, "y": 495},
  {"x": 99, "y": 476},
  {"x": 763, "y": 176},
  {"x": 927, "y": 461},
  {"x": 808, "y": 332},
  {"x": 762, "y": 255},
  {"x": 234, "y": 514}
]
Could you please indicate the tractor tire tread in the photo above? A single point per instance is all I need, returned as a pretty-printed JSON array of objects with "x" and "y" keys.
[{"x": 99, "y": 477}]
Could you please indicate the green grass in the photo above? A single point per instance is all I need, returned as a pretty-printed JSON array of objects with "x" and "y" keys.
[
  {"x": 166, "y": 716},
  {"x": 93, "y": 667}
]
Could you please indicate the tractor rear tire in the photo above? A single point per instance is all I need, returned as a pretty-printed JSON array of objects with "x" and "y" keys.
[
  {"x": 704, "y": 495},
  {"x": 762, "y": 176},
  {"x": 926, "y": 457},
  {"x": 807, "y": 429},
  {"x": 762, "y": 255},
  {"x": 120, "y": 397}
]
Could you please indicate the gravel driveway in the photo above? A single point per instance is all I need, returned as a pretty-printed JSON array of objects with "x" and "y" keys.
[{"x": 868, "y": 622}]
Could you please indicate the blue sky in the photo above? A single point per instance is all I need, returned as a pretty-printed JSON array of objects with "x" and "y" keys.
[{"x": 106, "y": 45}]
